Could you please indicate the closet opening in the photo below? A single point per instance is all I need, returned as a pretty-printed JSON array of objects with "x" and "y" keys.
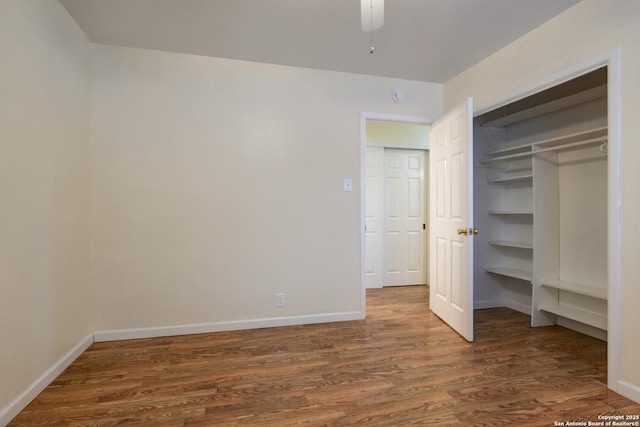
[{"x": 541, "y": 201}]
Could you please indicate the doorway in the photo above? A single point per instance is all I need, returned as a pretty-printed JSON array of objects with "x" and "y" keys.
[{"x": 395, "y": 201}]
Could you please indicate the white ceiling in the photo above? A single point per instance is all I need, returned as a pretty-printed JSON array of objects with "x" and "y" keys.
[{"x": 426, "y": 40}]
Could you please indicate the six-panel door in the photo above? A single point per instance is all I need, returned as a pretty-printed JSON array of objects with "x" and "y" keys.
[{"x": 451, "y": 213}]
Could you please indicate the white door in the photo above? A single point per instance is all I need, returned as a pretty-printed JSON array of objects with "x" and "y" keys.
[
  {"x": 451, "y": 213},
  {"x": 373, "y": 217},
  {"x": 404, "y": 218}
]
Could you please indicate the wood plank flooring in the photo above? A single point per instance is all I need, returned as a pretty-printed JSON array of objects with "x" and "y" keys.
[{"x": 401, "y": 366}]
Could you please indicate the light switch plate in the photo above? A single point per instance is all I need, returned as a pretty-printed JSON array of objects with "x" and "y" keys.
[{"x": 348, "y": 184}]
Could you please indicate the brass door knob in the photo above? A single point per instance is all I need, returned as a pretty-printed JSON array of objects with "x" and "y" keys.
[{"x": 467, "y": 231}]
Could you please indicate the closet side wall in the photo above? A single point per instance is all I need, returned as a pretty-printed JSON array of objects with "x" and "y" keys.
[{"x": 488, "y": 289}]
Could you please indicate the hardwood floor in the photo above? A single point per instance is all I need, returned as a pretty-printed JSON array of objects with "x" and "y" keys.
[{"x": 401, "y": 366}]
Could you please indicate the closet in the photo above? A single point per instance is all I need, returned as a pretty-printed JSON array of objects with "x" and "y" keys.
[{"x": 540, "y": 203}]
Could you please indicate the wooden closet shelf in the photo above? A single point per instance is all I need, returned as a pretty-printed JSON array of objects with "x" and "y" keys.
[
  {"x": 509, "y": 212},
  {"x": 511, "y": 244},
  {"x": 577, "y": 288},
  {"x": 511, "y": 272},
  {"x": 510, "y": 179},
  {"x": 583, "y": 316},
  {"x": 545, "y": 102},
  {"x": 589, "y": 137}
]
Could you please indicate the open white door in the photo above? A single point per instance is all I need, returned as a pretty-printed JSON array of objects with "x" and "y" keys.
[{"x": 450, "y": 219}]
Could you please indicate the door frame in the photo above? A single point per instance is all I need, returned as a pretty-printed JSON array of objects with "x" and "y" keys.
[
  {"x": 364, "y": 116},
  {"x": 610, "y": 59}
]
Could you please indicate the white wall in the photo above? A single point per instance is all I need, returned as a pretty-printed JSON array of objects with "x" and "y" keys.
[
  {"x": 44, "y": 181},
  {"x": 398, "y": 134},
  {"x": 589, "y": 29},
  {"x": 218, "y": 183}
]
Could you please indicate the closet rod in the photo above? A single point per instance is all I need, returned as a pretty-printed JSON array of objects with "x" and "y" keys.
[
  {"x": 578, "y": 136},
  {"x": 544, "y": 150}
]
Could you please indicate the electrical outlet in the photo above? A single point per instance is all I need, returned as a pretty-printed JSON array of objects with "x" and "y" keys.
[{"x": 280, "y": 300}]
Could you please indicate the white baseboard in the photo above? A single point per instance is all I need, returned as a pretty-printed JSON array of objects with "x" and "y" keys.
[
  {"x": 628, "y": 390},
  {"x": 19, "y": 403},
  {"x": 236, "y": 325},
  {"x": 582, "y": 328},
  {"x": 479, "y": 305},
  {"x": 522, "y": 308}
]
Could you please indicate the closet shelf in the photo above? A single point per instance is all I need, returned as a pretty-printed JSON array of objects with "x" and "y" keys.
[
  {"x": 546, "y": 102},
  {"x": 511, "y": 272},
  {"x": 511, "y": 244},
  {"x": 583, "y": 316},
  {"x": 577, "y": 288},
  {"x": 510, "y": 179},
  {"x": 510, "y": 212},
  {"x": 573, "y": 140}
]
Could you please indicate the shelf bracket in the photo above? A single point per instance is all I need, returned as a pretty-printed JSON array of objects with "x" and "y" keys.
[{"x": 604, "y": 148}]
